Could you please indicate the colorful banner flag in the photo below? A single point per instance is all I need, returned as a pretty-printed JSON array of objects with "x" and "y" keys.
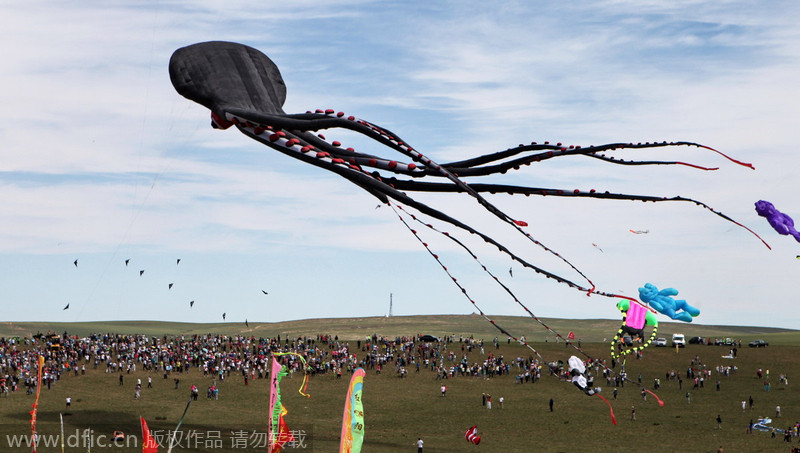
[
  {"x": 149, "y": 445},
  {"x": 353, "y": 418},
  {"x": 284, "y": 435},
  {"x": 276, "y": 409},
  {"x": 35, "y": 409},
  {"x": 278, "y": 433}
]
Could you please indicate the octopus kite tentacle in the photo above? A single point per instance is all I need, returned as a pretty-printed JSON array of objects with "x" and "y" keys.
[
  {"x": 398, "y": 209},
  {"x": 454, "y": 171},
  {"x": 288, "y": 143},
  {"x": 470, "y": 167},
  {"x": 390, "y": 139}
]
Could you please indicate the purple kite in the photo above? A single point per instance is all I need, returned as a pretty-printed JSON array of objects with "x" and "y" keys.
[{"x": 781, "y": 222}]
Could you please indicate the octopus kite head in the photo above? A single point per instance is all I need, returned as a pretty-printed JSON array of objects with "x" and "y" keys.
[{"x": 228, "y": 77}]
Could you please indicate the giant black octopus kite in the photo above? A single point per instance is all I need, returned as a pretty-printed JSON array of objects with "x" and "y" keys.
[{"x": 243, "y": 87}]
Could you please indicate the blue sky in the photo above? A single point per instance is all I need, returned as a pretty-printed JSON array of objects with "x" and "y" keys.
[{"x": 103, "y": 161}]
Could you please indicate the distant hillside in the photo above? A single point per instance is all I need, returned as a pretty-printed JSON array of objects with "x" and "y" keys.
[{"x": 588, "y": 330}]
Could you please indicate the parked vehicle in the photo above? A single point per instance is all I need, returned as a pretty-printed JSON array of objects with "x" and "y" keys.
[
  {"x": 661, "y": 342},
  {"x": 758, "y": 344},
  {"x": 678, "y": 340},
  {"x": 697, "y": 340}
]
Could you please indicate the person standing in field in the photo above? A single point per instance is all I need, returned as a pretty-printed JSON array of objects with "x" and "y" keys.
[
  {"x": 419, "y": 444},
  {"x": 719, "y": 421}
]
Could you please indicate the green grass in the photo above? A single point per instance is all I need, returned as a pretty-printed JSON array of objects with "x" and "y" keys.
[
  {"x": 590, "y": 330},
  {"x": 400, "y": 410}
]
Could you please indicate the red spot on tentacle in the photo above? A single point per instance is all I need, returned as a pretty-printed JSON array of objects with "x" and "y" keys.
[
  {"x": 336, "y": 143},
  {"x": 521, "y": 223},
  {"x": 744, "y": 164},
  {"x": 392, "y": 164},
  {"x": 697, "y": 166}
]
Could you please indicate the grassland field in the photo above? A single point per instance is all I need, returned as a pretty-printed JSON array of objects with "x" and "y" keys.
[{"x": 398, "y": 411}]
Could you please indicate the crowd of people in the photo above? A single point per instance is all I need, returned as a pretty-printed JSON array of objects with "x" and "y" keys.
[{"x": 222, "y": 357}]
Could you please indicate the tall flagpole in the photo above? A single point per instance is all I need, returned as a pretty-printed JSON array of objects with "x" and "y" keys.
[
  {"x": 180, "y": 422},
  {"x": 61, "y": 416}
]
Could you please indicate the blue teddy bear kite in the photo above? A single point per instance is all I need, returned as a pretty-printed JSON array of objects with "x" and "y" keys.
[{"x": 662, "y": 302}]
